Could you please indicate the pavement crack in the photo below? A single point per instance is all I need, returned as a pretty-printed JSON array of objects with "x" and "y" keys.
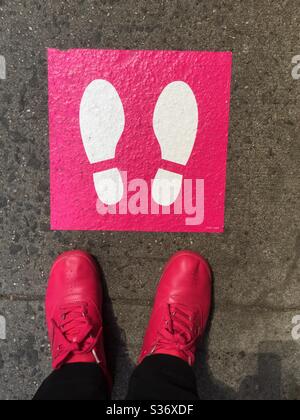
[{"x": 226, "y": 306}]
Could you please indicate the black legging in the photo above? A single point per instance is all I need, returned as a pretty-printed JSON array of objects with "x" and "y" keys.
[{"x": 159, "y": 378}]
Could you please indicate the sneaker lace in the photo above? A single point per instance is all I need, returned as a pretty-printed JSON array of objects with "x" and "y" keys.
[
  {"x": 73, "y": 332},
  {"x": 180, "y": 330}
]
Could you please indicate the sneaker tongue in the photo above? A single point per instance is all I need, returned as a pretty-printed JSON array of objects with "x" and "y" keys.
[
  {"x": 74, "y": 334},
  {"x": 181, "y": 324},
  {"x": 75, "y": 326}
]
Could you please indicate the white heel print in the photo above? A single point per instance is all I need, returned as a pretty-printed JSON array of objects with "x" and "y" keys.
[
  {"x": 102, "y": 122},
  {"x": 175, "y": 125}
]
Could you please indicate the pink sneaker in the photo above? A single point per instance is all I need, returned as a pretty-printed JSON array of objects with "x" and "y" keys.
[
  {"x": 181, "y": 309},
  {"x": 74, "y": 311}
]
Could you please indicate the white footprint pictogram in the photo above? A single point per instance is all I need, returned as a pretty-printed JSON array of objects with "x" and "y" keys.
[
  {"x": 175, "y": 125},
  {"x": 102, "y": 122}
]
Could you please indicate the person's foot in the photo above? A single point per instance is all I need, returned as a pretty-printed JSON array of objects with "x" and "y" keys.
[
  {"x": 181, "y": 309},
  {"x": 74, "y": 311}
]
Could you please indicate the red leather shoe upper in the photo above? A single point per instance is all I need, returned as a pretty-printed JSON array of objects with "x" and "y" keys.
[
  {"x": 181, "y": 309},
  {"x": 74, "y": 311}
]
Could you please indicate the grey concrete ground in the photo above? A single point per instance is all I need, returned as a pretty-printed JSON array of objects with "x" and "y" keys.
[{"x": 250, "y": 353}]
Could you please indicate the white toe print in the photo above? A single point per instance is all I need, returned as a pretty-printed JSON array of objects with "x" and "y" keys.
[
  {"x": 102, "y": 123},
  {"x": 175, "y": 125}
]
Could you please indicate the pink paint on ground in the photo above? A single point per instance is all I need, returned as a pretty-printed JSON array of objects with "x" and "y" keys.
[{"x": 139, "y": 77}]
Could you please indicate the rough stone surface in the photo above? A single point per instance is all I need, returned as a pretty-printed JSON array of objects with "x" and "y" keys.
[{"x": 250, "y": 353}]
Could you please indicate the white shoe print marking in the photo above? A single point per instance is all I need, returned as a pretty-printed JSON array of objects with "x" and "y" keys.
[
  {"x": 102, "y": 122},
  {"x": 166, "y": 187},
  {"x": 175, "y": 125}
]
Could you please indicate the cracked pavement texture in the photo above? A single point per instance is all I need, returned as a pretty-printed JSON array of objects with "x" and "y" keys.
[{"x": 249, "y": 353}]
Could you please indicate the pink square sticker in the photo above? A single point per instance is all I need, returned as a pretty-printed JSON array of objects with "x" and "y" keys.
[{"x": 138, "y": 140}]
